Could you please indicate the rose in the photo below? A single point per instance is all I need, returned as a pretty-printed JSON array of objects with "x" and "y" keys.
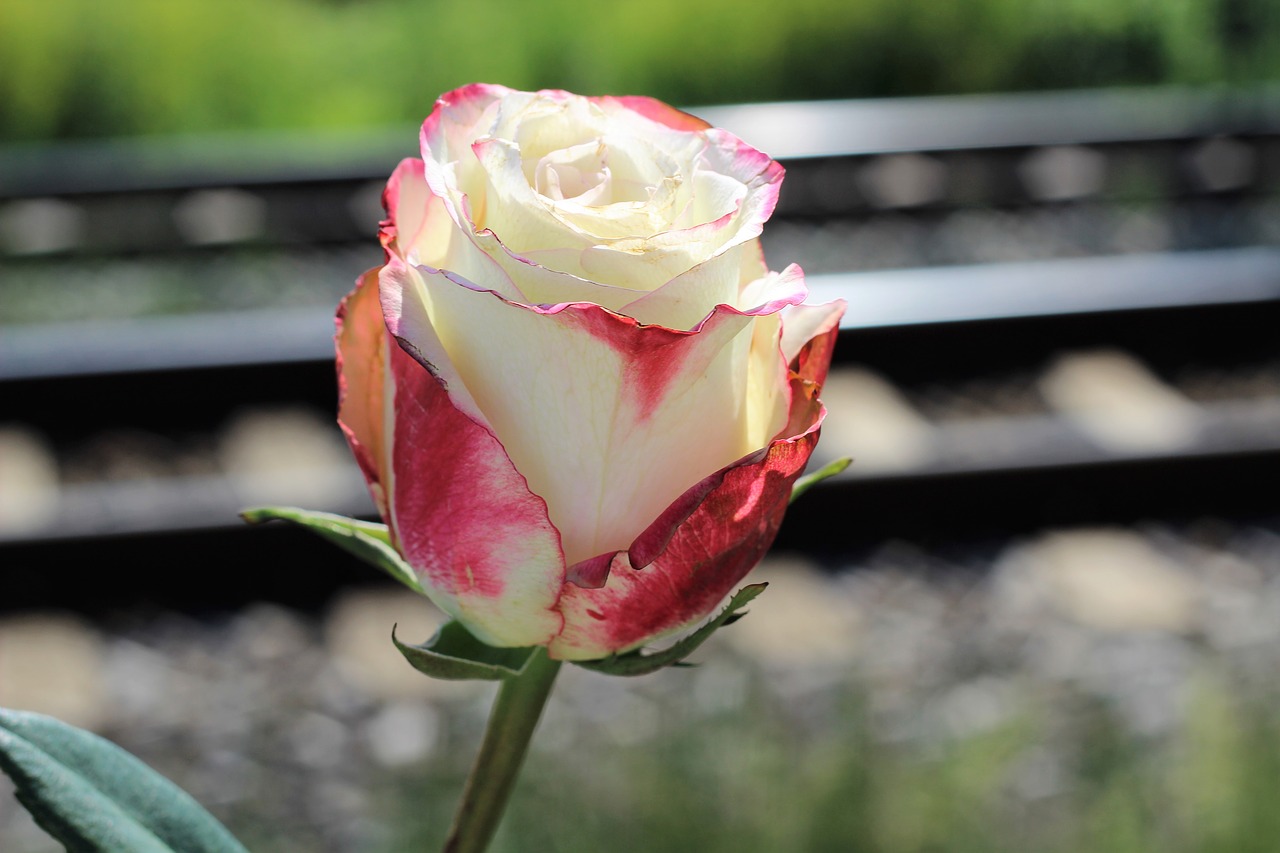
[{"x": 578, "y": 394}]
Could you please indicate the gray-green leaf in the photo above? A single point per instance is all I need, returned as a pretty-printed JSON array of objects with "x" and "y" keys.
[
  {"x": 639, "y": 663},
  {"x": 94, "y": 797},
  {"x": 455, "y": 655},
  {"x": 366, "y": 540}
]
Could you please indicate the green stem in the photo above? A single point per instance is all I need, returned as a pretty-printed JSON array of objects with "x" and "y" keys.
[{"x": 515, "y": 715}]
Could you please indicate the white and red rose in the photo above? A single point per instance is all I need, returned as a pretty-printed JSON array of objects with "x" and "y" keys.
[{"x": 578, "y": 394}]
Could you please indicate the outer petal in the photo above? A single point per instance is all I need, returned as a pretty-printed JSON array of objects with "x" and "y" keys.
[
  {"x": 452, "y": 125},
  {"x": 361, "y": 343},
  {"x": 734, "y": 518},
  {"x": 683, "y": 302},
  {"x": 708, "y": 539},
  {"x": 809, "y": 335},
  {"x": 655, "y": 110},
  {"x": 461, "y": 514},
  {"x": 594, "y": 409},
  {"x": 405, "y": 200}
]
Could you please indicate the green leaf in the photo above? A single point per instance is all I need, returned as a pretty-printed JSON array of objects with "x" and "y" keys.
[
  {"x": 94, "y": 797},
  {"x": 454, "y": 654},
  {"x": 639, "y": 663},
  {"x": 366, "y": 540},
  {"x": 808, "y": 481}
]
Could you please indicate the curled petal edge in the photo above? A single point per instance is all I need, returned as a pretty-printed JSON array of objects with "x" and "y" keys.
[
  {"x": 463, "y": 517},
  {"x": 682, "y": 584},
  {"x": 687, "y": 572},
  {"x": 790, "y": 291},
  {"x": 655, "y": 110}
]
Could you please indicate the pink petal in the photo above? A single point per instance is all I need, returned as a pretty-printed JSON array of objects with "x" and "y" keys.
[
  {"x": 464, "y": 518},
  {"x": 585, "y": 400},
  {"x": 592, "y": 573},
  {"x": 706, "y": 541},
  {"x": 809, "y": 336},
  {"x": 405, "y": 201},
  {"x": 737, "y": 514},
  {"x": 656, "y": 110},
  {"x": 453, "y": 119},
  {"x": 361, "y": 343}
]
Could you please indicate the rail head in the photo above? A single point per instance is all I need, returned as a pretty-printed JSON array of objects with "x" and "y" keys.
[
  {"x": 786, "y": 130},
  {"x": 901, "y": 297}
]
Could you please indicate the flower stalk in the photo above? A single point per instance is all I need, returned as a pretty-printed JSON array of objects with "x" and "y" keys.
[{"x": 514, "y": 717}]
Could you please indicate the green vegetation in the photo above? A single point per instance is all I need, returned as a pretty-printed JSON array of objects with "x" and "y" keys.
[
  {"x": 81, "y": 68},
  {"x": 770, "y": 777}
]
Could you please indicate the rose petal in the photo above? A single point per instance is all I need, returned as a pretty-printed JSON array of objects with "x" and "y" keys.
[
  {"x": 405, "y": 200},
  {"x": 408, "y": 320},
  {"x": 546, "y": 285},
  {"x": 655, "y": 110},
  {"x": 432, "y": 239},
  {"x": 722, "y": 201},
  {"x": 451, "y": 128},
  {"x": 361, "y": 344},
  {"x": 593, "y": 572},
  {"x": 708, "y": 539},
  {"x": 465, "y": 519},
  {"x": 513, "y": 210},
  {"x": 736, "y": 277},
  {"x": 734, "y": 518},
  {"x": 418, "y": 226},
  {"x": 585, "y": 400},
  {"x": 809, "y": 334},
  {"x": 668, "y": 254}
]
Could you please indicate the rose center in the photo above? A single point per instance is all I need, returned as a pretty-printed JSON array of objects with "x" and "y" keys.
[
  {"x": 579, "y": 173},
  {"x": 583, "y": 175}
]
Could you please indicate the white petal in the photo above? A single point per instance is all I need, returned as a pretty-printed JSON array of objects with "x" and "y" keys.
[{"x": 608, "y": 422}]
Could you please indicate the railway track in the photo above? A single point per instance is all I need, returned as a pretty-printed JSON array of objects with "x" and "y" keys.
[{"x": 1062, "y": 312}]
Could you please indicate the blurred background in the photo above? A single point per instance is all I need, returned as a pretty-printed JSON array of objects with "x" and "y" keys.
[{"x": 1041, "y": 612}]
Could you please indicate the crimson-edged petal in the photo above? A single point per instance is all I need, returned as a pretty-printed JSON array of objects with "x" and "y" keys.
[
  {"x": 733, "y": 522},
  {"x": 595, "y": 409},
  {"x": 693, "y": 555},
  {"x": 463, "y": 516}
]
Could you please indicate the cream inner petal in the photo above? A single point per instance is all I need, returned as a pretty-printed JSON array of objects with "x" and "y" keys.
[
  {"x": 608, "y": 188},
  {"x": 713, "y": 196},
  {"x": 601, "y": 195},
  {"x": 551, "y": 124},
  {"x": 580, "y": 172}
]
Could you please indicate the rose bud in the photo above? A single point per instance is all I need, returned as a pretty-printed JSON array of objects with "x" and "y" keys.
[{"x": 578, "y": 394}]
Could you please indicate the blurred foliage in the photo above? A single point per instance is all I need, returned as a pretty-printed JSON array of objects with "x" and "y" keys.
[
  {"x": 77, "y": 68},
  {"x": 778, "y": 776}
]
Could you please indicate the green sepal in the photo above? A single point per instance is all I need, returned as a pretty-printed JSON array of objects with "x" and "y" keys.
[
  {"x": 808, "y": 481},
  {"x": 639, "y": 663},
  {"x": 94, "y": 797},
  {"x": 366, "y": 540},
  {"x": 454, "y": 654}
]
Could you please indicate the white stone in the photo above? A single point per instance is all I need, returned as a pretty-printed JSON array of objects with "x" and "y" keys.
[
  {"x": 871, "y": 421},
  {"x": 1119, "y": 403},
  {"x": 1112, "y": 580},
  {"x": 51, "y": 663}
]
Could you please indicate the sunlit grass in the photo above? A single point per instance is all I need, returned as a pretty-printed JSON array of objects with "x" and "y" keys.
[{"x": 85, "y": 68}]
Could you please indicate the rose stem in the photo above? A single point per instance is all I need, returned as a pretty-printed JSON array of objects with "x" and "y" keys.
[{"x": 506, "y": 740}]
